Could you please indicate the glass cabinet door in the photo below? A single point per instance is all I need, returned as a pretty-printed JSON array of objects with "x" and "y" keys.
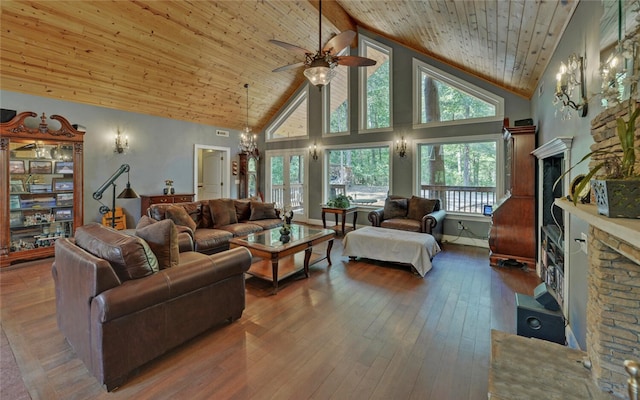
[{"x": 41, "y": 193}]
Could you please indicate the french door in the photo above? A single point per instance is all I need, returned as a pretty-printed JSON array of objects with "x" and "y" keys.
[{"x": 286, "y": 180}]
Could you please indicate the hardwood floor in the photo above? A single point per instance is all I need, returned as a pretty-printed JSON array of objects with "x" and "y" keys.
[{"x": 354, "y": 330}]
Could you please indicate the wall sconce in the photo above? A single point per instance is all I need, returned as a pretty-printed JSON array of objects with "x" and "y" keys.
[
  {"x": 569, "y": 76},
  {"x": 313, "y": 152},
  {"x": 401, "y": 147},
  {"x": 122, "y": 143}
]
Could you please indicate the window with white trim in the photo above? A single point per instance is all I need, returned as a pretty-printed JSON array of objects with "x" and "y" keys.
[
  {"x": 335, "y": 100},
  {"x": 292, "y": 122},
  {"x": 441, "y": 98},
  {"x": 375, "y": 86},
  {"x": 462, "y": 173},
  {"x": 362, "y": 172}
]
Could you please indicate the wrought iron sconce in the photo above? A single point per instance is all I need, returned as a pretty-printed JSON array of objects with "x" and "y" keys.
[
  {"x": 568, "y": 78},
  {"x": 401, "y": 147},
  {"x": 313, "y": 152},
  {"x": 121, "y": 144}
]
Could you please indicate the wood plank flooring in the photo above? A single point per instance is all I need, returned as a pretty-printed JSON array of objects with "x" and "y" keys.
[{"x": 354, "y": 330}]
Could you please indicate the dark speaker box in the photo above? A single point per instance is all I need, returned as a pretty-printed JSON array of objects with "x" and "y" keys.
[
  {"x": 535, "y": 321},
  {"x": 546, "y": 299},
  {"x": 6, "y": 115},
  {"x": 524, "y": 122}
]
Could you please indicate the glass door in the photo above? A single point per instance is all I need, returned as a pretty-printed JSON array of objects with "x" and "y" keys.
[{"x": 286, "y": 180}]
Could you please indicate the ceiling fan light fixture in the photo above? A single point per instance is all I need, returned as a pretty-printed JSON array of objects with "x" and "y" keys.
[{"x": 319, "y": 73}]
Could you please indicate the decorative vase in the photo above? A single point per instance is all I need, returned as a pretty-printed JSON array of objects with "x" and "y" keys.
[
  {"x": 287, "y": 220},
  {"x": 617, "y": 198},
  {"x": 284, "y": 234}
]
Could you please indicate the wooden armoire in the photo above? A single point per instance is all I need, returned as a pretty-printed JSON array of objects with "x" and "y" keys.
[{"x": 512, "y": 236}]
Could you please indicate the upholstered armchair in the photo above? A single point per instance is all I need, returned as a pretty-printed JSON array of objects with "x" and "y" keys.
[{"x": 415, "y": 214}]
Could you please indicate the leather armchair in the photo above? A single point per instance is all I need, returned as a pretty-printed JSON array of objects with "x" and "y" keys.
[{"x": 431, "y": 222}]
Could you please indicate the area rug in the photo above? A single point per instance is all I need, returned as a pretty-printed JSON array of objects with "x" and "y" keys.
[{"x": 11, "y": 383}]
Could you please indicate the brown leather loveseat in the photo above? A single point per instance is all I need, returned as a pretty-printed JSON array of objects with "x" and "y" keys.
[
  {"x": 415, "y": 214},
  {"x": 123, "y": 300}
]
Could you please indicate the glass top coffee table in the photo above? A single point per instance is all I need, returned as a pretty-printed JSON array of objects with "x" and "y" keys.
[{"x": 267, "y": 245}]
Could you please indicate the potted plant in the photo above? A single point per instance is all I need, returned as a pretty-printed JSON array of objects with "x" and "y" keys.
[
  {"x": 617, "y": 186},
  {"x": 340, "y": 201}
]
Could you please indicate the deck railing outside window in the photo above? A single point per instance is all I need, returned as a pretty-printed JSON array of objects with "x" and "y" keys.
[
  {"x": 297, "y": 196},
  {"x": 467, "y": 199}
]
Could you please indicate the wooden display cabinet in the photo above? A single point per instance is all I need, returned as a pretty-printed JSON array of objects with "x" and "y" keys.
[
  {"x": 42, "y": 199},
  {"x": 248, "y": 176},
  {"x": 512, "y": 236}
]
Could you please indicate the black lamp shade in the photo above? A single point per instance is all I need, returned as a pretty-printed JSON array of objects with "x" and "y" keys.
[{"x": 128, "y": 193}]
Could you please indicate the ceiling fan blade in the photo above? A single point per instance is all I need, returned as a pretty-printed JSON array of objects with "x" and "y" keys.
[
  {"x": 355, "y": 61},
  {"x": 339, "y": 42},
  {"x": 290, "y": 66},
  {"x": 290, "y": 46}
]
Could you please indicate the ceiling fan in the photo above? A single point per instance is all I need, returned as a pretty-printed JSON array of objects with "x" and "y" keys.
[{"x": 319, "y": 66}]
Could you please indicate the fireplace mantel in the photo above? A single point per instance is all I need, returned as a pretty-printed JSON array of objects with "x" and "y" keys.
[{"x": 624, "y": 228}]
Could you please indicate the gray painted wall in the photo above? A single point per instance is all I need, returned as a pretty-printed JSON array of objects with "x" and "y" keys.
[
  {"x": 582, "y": 38},
  {"x": 160, "y": 148}
]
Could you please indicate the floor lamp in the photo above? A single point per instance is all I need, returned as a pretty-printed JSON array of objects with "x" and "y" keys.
[{"x": 127, "y": 193}]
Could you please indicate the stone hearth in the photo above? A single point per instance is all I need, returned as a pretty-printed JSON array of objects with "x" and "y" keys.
[{"x": 613, "y": 305}]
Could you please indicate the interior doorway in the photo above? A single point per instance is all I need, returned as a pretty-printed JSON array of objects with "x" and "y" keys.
[{"x": 211, "y": 168}]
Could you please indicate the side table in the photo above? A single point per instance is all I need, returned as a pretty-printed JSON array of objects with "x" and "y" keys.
[{"x": 340, "y": 211}]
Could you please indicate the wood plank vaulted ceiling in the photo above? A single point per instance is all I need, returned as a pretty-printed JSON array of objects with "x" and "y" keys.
[{"x": 189, "y": 60}]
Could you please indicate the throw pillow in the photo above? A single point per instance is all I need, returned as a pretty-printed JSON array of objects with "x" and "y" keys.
[
  {"x": 262, "y": 211},
  {"x": 395, "y": 208},
  {"x": 145, "y": 221},
  {"x": 162, "y": 238},
  {"x": 243, "y": 209},
  {"x": 207, "y": 218},
  {"x": 419, "y": 207},
  {"x": 180, "y": 217},
  {"x": 194, "y": 211},
  {"x": 223, "y": 212},
  {"x": 129, "y": 256}
]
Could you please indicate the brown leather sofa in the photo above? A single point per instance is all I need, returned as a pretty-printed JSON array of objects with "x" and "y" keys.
[
  {"x": 120, "y": 306},
  {"x": 213, "y": 223},
  {"x": 415, "y": 214}
]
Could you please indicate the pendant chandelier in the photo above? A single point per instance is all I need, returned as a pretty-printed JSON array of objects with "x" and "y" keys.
[{"x": 247, "y": 140}]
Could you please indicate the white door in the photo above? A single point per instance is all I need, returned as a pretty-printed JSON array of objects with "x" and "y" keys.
[
  {"x": 286, "y": 181},
  {"x": 211, "y": 168},
  {"x": 212, "y": 173}
]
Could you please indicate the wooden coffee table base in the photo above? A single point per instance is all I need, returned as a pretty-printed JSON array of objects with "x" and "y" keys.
[
  {"x": 282, "y": 268},
  {"x": 273, "y": 256}
]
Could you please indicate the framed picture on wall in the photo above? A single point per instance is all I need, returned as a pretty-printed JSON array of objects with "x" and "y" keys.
[
  {"x": 16, "y": 185},
  {"x": 14, "y": 201},
  {"x": 16, "y": 167},
  {"x": 64, "y": 199},
  {"x": 64, "y": 167},
  {"x": 39, "y": 167},
  {"x": 62, "y": 184},
  {"x": 63, "y": 214},
  {"x": 15, "y": 218}
]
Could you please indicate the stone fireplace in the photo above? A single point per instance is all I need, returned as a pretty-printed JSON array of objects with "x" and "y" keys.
[
  {"x": 613, "y": 300},
  {"x": 613, "y": 309}
]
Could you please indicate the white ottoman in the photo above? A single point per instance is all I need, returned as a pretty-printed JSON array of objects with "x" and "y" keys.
[{"x": 392, "y": 245}]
